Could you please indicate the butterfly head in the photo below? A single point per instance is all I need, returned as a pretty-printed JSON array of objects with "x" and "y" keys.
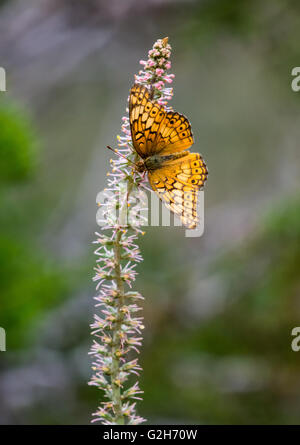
[{"x": 140, "y": 166}]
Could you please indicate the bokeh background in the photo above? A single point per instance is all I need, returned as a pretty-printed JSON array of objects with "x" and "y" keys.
[{"x": 219, "y": 309}]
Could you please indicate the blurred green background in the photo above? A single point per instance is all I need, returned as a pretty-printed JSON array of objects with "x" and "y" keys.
[{"x": 219, "y": 309}]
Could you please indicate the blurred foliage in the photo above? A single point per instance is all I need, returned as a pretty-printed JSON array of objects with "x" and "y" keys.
[
  {"x": 246, "y": 346},
  {"x": 17, "y": 145},
  {"x": 30, "y": 282},
  {"x": 221, "y": 15},
  {"x": 270, "y": 28},
  {"x": 234, "y": 365}
]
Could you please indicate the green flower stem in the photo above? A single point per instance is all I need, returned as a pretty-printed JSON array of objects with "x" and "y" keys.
[{"x": 116, "y": 347}]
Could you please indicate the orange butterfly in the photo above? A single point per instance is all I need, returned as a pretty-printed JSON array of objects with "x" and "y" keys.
[{"x": 161, "y": 138}]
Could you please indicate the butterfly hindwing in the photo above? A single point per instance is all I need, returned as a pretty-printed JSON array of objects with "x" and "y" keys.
[{"x": 177, "y": 183}]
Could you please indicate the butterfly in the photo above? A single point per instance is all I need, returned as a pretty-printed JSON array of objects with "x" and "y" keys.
[{"x": 161, "y": 138}]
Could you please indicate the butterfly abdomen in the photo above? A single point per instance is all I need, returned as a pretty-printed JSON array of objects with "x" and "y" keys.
[{"x": 156, "y": 161}]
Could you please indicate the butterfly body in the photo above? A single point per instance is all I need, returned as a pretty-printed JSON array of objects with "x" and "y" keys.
[
  {"x": 161, "y": 139},
  {"x": 155, "y": 162}
]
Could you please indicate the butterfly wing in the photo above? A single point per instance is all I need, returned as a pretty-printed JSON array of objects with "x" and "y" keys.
[
  {"x": 154, "y": 130},
  {"x": 177, "y": 184},
  {"x": 145, "y": 118},
  {"x": 175, "y": 134}
]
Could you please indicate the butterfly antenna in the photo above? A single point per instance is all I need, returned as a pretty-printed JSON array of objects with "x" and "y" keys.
[{"x": 119, "y": 154}]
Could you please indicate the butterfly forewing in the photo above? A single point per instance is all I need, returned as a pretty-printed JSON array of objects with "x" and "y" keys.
[
  {"x": 175, "y": 134},
  {"x": 153, "y": 129},
  {"x": 145, "y": 117}
]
